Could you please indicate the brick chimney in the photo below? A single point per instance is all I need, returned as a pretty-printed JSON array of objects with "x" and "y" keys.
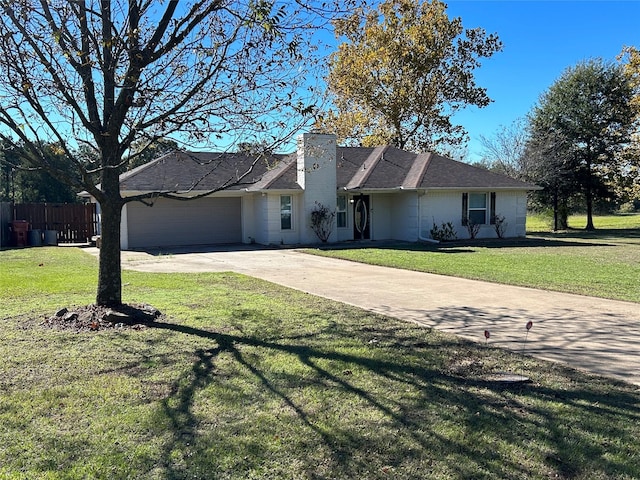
[{"x": 316, "y": 169}]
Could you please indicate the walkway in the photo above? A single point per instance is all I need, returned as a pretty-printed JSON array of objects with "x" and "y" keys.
[{"x": 601, "y": 336}]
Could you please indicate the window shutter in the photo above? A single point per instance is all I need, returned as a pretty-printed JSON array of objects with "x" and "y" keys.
[
  {"x": 465, "y": 208},
  {"x": 493, "y": 208}
]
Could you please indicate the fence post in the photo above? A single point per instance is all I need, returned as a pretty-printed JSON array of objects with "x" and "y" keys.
[{"x": 6, "y": 217}]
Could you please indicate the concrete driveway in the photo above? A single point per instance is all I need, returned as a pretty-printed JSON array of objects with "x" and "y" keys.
[{"x": 600, "y": 336}]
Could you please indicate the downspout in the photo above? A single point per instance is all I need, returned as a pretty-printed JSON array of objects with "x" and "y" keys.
[{"x": 420, "y": 237}]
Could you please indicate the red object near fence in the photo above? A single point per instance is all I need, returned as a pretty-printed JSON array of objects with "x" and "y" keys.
[{"x": 19, "y": 232}]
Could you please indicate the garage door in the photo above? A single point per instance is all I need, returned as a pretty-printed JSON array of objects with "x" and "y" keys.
[{"x": 206, "y": 221}]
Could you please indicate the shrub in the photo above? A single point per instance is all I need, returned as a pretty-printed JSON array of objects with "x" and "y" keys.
[
  {"x": 472, "y": 228},
  {"x": 444, "y": 232},
  {"x": 500, "y": 225},
  {"x": 322, "y": 221},
  {"x": 628, "y": 207}
]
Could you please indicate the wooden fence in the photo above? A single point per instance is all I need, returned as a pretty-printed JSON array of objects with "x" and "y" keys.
[
  {"x": 75, "y": 223},
  {"x": 6, "y": 216}
]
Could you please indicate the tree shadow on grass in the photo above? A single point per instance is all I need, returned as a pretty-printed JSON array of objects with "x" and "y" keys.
[{"x": 388, "y": 409}]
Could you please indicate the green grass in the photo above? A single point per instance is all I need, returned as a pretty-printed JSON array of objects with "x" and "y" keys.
[
  {"x": 245, "y": 379},
  {"x": 604, "y": 263},
  {"x": 52, "y": 276},
  {"x": 544, "y": 223}
]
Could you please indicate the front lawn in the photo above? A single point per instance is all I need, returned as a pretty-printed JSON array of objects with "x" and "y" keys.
[
  {"x": 248, "y": 380},
  {"x": 623, "y": 221},
  {"x": 604, "y": 263}
]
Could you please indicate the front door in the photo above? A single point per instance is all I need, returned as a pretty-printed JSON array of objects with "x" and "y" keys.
[{"x": 361, "y": 218}]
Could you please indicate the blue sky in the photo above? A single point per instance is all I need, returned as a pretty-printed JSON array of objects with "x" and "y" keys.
[{"x": 541, "y": 39}]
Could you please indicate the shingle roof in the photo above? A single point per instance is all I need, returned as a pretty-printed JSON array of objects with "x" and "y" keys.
[
  {"x": 357, "y": 168},
  {"x": 199, "y": 171},
  {"x": 442, "y": 172}
]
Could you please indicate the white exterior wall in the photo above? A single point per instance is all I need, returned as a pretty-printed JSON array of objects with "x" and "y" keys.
[
  {"x": 293, "y": 236},
  {"x": 438, "y": 207},
  {"x": 380, "y": 207},
  {"x": 249, "y": 220},
  {"x": 271, "y": 233},
  {"x": 521, "y": 214},
  {"x": 512, "y": 206},
  {"x": 316, "y": 169},
  {"x": 446, "y": 206},
  {"x": 346, "y": 233},
  {"x": 260, "y": 211},
  {"x": 404, "y": 220}
]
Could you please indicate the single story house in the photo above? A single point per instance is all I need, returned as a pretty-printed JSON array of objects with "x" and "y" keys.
[{"x": 380, "y": 193}]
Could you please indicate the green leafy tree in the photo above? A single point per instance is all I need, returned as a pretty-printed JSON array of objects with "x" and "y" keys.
[
  {"x": 37, "y": 185},
  {"x": 23, "y": 183},
  {"x": 551, "y": 166},
  {"x": 586, "y": 118},
  {"x": 108, "y": 74},
  {"x": 8, "y": 161},
  {"x": 403, "y": 70}
]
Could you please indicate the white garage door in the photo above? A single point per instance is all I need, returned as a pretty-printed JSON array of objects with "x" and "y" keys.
[{"x": 206, "y": 221}]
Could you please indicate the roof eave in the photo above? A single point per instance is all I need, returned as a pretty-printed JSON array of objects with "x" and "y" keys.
[
  {"x": 273, "y": 190},
  {"x": 486, "y": 188},
  {"x": 184, "y": 193},
  {"x": 375, "y": 189}
]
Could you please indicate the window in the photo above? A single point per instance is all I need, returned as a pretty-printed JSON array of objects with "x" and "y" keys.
[
  {"x": 285, "y": 212},
  {"x": 341, "y": 211},
  {"x": 478, "y": 208},
  {"x": 474, "y": 208}
]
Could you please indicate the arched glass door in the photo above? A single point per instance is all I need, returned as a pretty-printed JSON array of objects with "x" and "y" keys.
[{"x": 361, "y": 219}]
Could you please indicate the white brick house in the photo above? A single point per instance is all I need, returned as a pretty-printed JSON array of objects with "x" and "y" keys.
[{"x": 377, "y": 193}]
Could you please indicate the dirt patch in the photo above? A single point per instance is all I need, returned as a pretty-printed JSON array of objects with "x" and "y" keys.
[{"x": 94, "y": 317}]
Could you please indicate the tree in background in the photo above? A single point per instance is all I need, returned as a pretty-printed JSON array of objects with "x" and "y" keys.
[
  {"x": 37, "y": 185},
  {"x": 108, "y": 75},
  {"x": 505, "y": 152},
  {"x": 632, "y": 70},
  {"x": 8, "y": 160},
  {"x": 403, "y": 70},
  {"x": 627, "y": 186},
  {"x": 139, "y": 153},
  {"x": 21, "y": 182},
  {"x": 585, "y": 120},
  {"x": 551, "y": 166}
]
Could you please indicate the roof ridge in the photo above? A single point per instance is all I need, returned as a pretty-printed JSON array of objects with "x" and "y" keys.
[
  {"x": 418, "y": 170},
  {"x": 273, "y": 174},
  {"x": 365, "y": 170}
]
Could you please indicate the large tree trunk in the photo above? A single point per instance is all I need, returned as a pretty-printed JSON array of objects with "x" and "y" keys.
[
  {"x": 555, "y": 210},
  {"x": 110, "y": 275},
  {"x": 589, "y": 198}
]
